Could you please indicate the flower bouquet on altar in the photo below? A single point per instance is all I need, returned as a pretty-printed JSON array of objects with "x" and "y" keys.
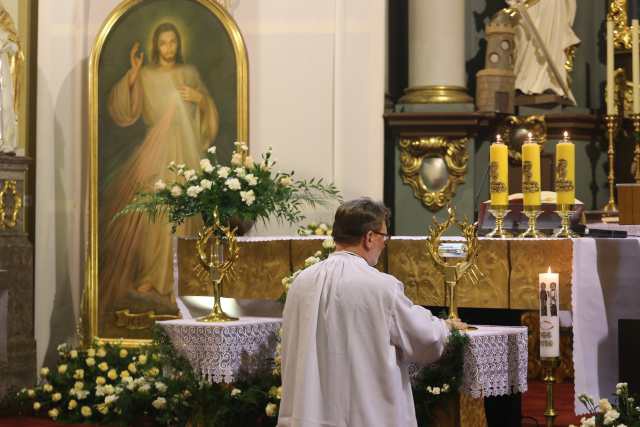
[{"x": 245, "y": 191}]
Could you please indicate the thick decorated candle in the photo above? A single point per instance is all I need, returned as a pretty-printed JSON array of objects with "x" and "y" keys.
[
  {"x": 549, "y": 290},
  {"x": 531, "y": 172},
  {"x": 565, "y": 172},
  {"x": 499, "y": 173}
]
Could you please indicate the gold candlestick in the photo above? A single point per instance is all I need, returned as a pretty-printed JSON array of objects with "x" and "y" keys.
[
  {"x": 565, "y": 212},
  {"x": 499, "y": 212},
  {"x": 610, "y": 209},
  {"x": 549, "y": 378},
  {"x": 636, "y": 150},
  {"x": 532, "y": 213}
]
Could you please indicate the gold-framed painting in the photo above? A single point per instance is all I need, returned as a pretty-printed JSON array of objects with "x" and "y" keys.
[{"x": 167, "y": 80}]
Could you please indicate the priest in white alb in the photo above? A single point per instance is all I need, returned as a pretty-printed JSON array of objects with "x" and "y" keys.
[{"x": 349, "y": 333}]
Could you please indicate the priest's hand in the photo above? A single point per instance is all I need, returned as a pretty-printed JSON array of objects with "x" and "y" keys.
[{"x": 456, "y": 324}]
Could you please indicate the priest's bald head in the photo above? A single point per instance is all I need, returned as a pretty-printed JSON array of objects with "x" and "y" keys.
[{"x": 360, "y": 226}]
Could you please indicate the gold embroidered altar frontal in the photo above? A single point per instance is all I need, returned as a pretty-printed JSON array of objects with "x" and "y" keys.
[{"x": 510, "y": 267}]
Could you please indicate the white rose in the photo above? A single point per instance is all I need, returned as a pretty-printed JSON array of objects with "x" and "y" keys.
[
  {"x": 236, "y": 159},
  {"x": 194, "y": 190},
  {"x": 72, "y": 405},
  {"x": 85, "y": 411},
  {"x": 172, "y": 164},
  {"x": 110, "y": 399},
  {"x": 212, "y": 150},
  {"x": 62, "y": 369},
  {"x": 91, "y": 352},
  {"x": 44, "y": 372},
  {"x": 176, "y": 191},
  {"x": 190, "y": 175},
  {"x": 47, "y": 388},
  {"x": 159, "y": 185},
  {"x": 159, "y": 403},
  {"x": 205, "y": 165},
  {"x": 271, "y": 410},
  {"x": 248, "y": 162},
  {"x": 329, "y": 243},
  {"x": 610, "y": 416},
  {"x": 286, "y": 181},
  {"x": 251, "y": 180},
  {"x": 241, "y": 172},
  {"x": 53, "y": 413},
  {"x": 160, "y": 386},
  {"x": 56, "y": 397},
  {"x": 248, "y": 197},
  {"x": 233, "y": 184},
  {"x": 90, "y": 361},
  {"x": 223, "y": 172},
  {"x": 310, "y": 261},
  {"x": 206, "y": 184},
  {"x": 144, "y": 388},
  {"x": 604, "y": 405},
  {"x": 235, "y": 392}
]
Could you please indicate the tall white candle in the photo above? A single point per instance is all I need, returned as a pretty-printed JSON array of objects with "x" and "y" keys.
[
  {"x": 635, "y": 62},
  {"x": 611, "y": 107},
  {"x": 549, "y": 286}
]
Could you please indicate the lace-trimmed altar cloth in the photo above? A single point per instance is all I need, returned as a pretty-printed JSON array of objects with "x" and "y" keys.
[
  {"x": 495, "y": 361},
  {"x": 216, "y": 350}
]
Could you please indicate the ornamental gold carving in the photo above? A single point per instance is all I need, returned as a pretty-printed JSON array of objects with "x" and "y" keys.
[
  {"x": 515, "y": 131},
  {"x": 621, "y": 31},
  {"x": 418, "y": 157},
  {"x": 9, "y": 211}
]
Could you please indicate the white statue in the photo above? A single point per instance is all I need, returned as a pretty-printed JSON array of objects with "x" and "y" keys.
[
  {"x": 544, "y": 37},
  {"x": 10, "y": 61}
]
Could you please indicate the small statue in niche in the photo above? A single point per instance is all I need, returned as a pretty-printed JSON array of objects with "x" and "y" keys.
[{"x": 11, "y": 62}]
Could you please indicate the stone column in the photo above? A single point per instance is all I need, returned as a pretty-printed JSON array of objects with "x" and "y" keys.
[{"x": 436, "y": 53}]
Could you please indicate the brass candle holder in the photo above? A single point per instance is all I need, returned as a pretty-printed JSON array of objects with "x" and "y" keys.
[
  {"x": 499, "y": 212},
  {"x": 218, "y": 250},
  {"x": 532, "y": 213},
  {"x": 635, "y": 118},
  {"x": 611, "y": 121},
  {"x": 565, "y": 211},
  {"x": 549, "y": 378}
]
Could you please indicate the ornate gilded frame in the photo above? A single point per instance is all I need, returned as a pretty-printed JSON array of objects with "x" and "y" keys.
[
  {"x": 90, "y": 304},
  {"x": 514, "y": 125},
  {"x": 413, "y": 151}
]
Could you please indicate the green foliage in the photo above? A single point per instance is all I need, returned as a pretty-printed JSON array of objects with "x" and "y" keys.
[{"x": 440, "y": 380}]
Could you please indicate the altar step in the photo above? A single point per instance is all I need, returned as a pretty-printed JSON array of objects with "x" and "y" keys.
[{"x": 534, "y": 402}]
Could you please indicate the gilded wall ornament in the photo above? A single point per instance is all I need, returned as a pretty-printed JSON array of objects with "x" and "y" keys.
[
  {"x": 9, "y": 212},
  {"x": 515, "y": 132},
  {"x": 433, "y": 167}
]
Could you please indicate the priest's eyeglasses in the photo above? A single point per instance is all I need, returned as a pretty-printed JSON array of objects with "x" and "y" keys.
[{"x": 386, "y": 236}]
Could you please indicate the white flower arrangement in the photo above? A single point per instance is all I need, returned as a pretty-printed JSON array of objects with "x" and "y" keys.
[
  {"x": 246, "y": 190},
  {"x": 605, "y": 413}
]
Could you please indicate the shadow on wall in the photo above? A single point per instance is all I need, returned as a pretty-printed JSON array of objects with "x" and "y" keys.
[{"x": 69, "y": 219}]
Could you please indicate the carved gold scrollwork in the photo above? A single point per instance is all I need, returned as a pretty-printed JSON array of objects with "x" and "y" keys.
[
  {"x": 414, "y": 152},
  {"x": 514, "y": 131},
  {"x": 9, "y": 213},
  {"x": 139, "y": 321},
  {"x": 621, "y": 31}
]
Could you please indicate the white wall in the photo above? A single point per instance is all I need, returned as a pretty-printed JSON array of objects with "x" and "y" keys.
[{"x": 316, "y": 95}]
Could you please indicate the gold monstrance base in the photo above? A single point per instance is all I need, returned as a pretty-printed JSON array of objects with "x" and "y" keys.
[{"x": 217, "y": 314}]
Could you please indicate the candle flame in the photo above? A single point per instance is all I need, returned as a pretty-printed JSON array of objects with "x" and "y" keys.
[
  {"x": 498, "y": 139},
  {"x": 549, "y": 270},
  {"x": 530, "y": 137},
  {"x": 565, "y": 136}
]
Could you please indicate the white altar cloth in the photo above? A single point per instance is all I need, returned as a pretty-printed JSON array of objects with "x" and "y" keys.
[
  {"x": 495, "y": 362},
  {"x": 215, "y": 349},
  {"x": 605, "y": 288}
]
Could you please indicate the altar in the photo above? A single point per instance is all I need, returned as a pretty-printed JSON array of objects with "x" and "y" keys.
[
  {"x": 597, "y": 282},
  {"x": 495, "y": 360}
]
